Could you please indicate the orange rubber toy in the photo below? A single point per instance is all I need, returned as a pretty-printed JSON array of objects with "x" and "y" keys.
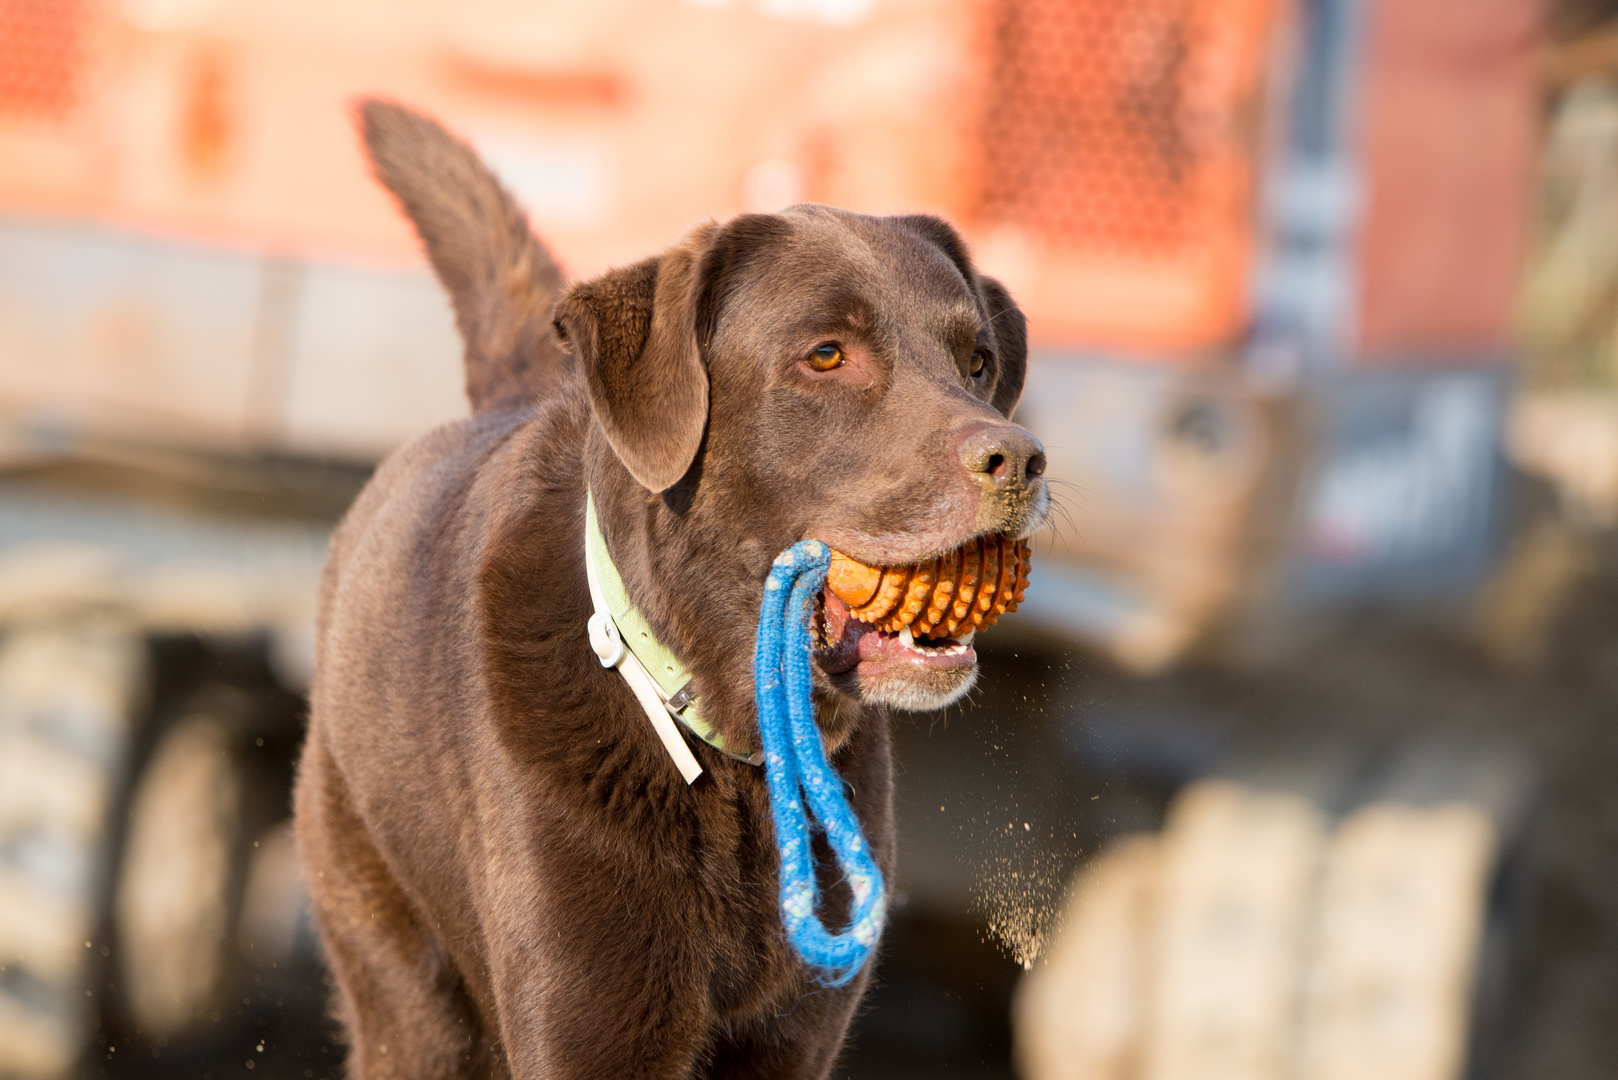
[{"x": 964, "y": 591}]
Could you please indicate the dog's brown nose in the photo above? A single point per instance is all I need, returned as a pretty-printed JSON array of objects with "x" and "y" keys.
[{"x": 1001, "y": 456}]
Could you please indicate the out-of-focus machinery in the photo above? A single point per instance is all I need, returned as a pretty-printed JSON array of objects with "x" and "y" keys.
[
  {"x": 1269, "y": 252},
  {"x": 1332, "y": 434},
  {"x": 156, "y": 614}
]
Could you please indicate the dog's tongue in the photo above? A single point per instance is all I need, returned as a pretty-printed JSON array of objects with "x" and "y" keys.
[{"x": 843, "y": 633}]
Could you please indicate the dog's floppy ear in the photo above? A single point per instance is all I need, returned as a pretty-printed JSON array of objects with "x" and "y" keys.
[
  {"x": 1010, "y": 327},
  {"x": 1011, "y": 343},
  {"x": 634, "y": 332}
]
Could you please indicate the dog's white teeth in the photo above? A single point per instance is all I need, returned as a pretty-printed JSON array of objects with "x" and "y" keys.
[
  {"x": 966, "y": 638},
  {"x": 946, "y": 647}
]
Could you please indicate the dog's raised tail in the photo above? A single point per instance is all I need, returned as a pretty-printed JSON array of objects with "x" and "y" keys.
[{"x": 501, "y": 280}]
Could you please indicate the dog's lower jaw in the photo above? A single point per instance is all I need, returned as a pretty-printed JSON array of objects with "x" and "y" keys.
[
  {"x": 915, "y": 690},
  {"x": 892, "y": 669}
]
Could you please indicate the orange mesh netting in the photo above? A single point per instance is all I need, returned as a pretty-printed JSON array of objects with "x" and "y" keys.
[
  {"x": 41, "y": 57},
  {"x": 1114, "y": 126}
]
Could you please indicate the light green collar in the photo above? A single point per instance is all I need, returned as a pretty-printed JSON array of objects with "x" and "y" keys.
[{"x": 672, "y": 679}]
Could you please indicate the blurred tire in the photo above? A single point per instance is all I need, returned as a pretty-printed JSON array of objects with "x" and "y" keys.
[
  {"x": 173, "y": 905},
  {"x": 193, "y": 887},
  {"x": 67, "y": 691}
]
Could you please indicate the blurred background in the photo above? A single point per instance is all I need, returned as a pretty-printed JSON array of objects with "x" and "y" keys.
[{"x": 1300, "y": 760}]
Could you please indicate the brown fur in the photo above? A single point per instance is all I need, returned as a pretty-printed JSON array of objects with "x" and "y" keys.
[
  {"x": 510, "y": 876},
  {"x": 501, "y": 280}
]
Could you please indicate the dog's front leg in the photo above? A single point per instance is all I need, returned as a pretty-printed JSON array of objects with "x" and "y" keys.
[
  {"x": 587, "y": 990},
  {"x": 401, "y": 1000},
  {"x": 800, "y": 1043}
]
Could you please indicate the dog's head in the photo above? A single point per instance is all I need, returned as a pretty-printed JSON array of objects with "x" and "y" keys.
[{"x": 819, "y": 373}]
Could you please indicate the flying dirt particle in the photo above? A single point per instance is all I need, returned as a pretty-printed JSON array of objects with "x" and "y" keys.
[{"x": 1017, "y": 887}]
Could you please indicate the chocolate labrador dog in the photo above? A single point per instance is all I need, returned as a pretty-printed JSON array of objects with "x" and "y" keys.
[{"x": 510, "y": 876}]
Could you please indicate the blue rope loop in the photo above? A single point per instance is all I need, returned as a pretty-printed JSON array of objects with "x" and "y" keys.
[{"x": 802, "y": 782}]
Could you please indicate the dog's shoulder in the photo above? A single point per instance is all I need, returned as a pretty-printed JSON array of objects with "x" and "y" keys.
[
  {"x": 417, "y": 488},
  {"x": 409, "y": 556}
]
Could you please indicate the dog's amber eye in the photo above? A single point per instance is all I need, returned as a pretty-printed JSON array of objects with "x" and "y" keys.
[
  {"x": 976, "y": 364},
  {"x": 826, "y": 357}
]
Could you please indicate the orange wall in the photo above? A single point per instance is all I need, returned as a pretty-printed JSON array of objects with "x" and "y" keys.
[
  {"x": 1450, "y": 143},
  {"x": 620, "y": 122}
]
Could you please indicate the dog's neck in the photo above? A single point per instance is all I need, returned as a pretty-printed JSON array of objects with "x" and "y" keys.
[
  {"x": 675, "y": 571},
  {"x": 670, "y": 679}
]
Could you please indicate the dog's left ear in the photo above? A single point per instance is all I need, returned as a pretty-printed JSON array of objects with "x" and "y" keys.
[
  {"x": 1010, "y": 328},
  {"x": 1010, "y": 340},
  {"x": 634, "y": 331}
]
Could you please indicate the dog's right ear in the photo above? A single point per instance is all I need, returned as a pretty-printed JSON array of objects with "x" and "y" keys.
[{"x": 634, "y": 331}]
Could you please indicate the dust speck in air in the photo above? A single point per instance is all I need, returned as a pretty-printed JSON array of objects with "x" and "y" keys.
[
  {"x": 1023, "y": 820},
  {"x": 1022, "y": 845},
  {"x": 1018, "y": 882}
]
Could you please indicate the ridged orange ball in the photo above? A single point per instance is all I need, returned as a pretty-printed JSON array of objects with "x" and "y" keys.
[{"x": 965, "y": 590}]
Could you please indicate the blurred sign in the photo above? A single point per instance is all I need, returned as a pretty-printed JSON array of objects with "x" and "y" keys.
[
  {"x": 1404, "y": 493},
  {"x": 1191, "y": 501}
]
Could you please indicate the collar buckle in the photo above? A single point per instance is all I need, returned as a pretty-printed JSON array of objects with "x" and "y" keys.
[{"x": 681, "y": 699}]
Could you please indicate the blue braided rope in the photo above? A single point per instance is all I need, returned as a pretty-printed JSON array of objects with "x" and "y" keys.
[{"x": 797, "y": 773}]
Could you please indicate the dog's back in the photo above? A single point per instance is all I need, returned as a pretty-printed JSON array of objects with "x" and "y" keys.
[{"x": 412, "y": 543}]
